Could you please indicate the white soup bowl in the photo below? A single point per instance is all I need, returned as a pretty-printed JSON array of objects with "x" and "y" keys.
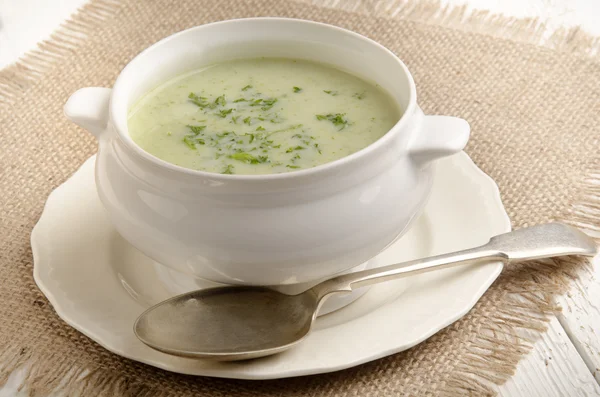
[{"x": 265, "y": 229}]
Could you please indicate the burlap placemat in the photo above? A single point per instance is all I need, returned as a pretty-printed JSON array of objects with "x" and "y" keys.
[{"x": 534, "y": 114}]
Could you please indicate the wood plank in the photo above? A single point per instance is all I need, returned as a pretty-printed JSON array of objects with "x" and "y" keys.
[
  {"x": 581, "y": 317},
  {"x": 553, "y": 368}
]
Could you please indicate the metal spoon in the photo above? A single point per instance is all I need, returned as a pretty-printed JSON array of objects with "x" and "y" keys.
[{"x": 236, "y": 323}]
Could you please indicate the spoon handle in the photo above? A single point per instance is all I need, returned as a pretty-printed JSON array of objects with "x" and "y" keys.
[{"x": 542, "y": 241}]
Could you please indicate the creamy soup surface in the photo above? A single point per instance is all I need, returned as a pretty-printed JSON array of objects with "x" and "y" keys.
[{"x": 261, "y": 116}]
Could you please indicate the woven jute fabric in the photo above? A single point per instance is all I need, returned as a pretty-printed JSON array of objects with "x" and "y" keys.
[{"x": 534, "y": 113}]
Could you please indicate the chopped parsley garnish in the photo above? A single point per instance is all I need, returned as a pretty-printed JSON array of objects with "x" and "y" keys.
[
  {"x": 295, "y": 148},
  {"x": 268, "y": 103},
  {"x": 188, "y": 140},
  {"x": 330, "y": 92},
  {"x": 359, "y": 95},
  {"x": 338, "y": 119},
  {"x": 252, "y": 144},
  {"x": 265, "y": 104},
  {"x": 196, "y": 129},
  {"x": 248, "y": 158},
  {"x": 224, "y": 112},
  {"x": 293, "y": 127},
  {"x": 201, "y": 101},
  {"x": 220, "y": 101},
  {"x": 245, "y": 157}
]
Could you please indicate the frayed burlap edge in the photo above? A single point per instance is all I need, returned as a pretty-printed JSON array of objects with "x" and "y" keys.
[
  {"x": 30, "y": 68},
  {"x": 501, "y": 342},
  {"x": 526, "y": 30}
]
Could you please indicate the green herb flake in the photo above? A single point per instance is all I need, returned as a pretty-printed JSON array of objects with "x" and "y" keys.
[
  {"x": 220, "y": 101},
  {"x": 291, "y": 128},
  {"x": 359, "y": 95},
  {"x": 330, "y": 92},
  {"x": 196, "y": 129},
  {"x": 201, "y": 101},
  {"x": 260, "y": 128},
  {"x": 292, "y": 166},
  {"x": 224, "y": 112},
  {"x": 228, "y": 170},
  {"x": 240, "y": 100},
  {"x": 246, "y": 88},
  {"x": 291, "y": 149},
  {"x": 247, "y": 120},
  {"x": 268, "y": 103},
  {"x": 248, "y": 158},
  {"x": 338, "y": 119},
  {"x": 297, "y": 89},
  {"x": 189, "y": 141},
  {"x": 235, "y": 119}
]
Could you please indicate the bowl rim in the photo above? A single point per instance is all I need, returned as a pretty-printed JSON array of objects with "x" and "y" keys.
[{"x": 121, "y": 128}]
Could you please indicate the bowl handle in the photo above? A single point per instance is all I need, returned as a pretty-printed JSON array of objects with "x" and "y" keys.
[
  {"x": 439, "y": 136},
  {"x": 88, "y": 108}
]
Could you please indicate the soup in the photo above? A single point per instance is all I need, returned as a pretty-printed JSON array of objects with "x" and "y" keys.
[{"x": 261, "y": 116}]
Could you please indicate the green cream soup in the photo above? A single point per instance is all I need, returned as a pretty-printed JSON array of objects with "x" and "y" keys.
[{"x": 261, "y": 116}]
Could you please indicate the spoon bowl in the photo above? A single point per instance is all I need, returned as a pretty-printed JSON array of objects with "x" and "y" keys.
[{"x": 228, "y": 323}]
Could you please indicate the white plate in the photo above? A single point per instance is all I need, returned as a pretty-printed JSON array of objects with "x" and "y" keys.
[{"x": 99, "y": 284}]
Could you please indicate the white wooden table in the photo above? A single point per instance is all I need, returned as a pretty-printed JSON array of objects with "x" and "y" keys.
[{"x": 566, "y": 360}]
